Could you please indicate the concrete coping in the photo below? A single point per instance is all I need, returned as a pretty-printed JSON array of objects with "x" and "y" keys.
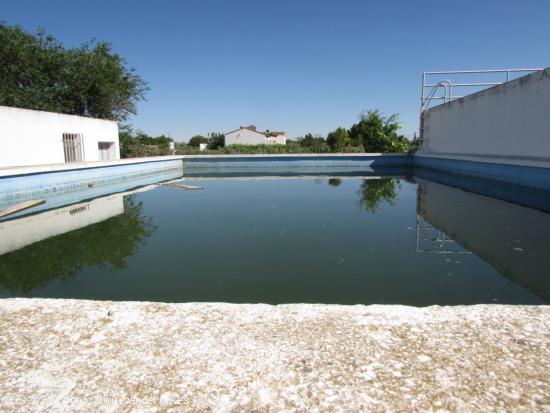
[
  {"x": 104, "y": 356},
  {"x": 34, "y": 169}
]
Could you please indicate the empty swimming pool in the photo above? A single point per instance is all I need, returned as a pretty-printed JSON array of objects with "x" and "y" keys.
[{"x": 398, "y": 239}]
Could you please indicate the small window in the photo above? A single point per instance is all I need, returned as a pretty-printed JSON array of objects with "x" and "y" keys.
[
  {"x": 72, "y": 147},
  {"x": 106, "y": 151}
]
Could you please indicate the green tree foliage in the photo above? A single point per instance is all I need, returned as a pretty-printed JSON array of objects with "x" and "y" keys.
[
  {"x": 216, "y": 141},
  {"x": 145, "y": 139},
  {"x": 37, "y": 72},
  {"x": 196, "y": 140},
  {"x": 126, "y": 141},
  {"x": 378, "y": 133},
  {"x": 139, "y": 144},
  {"x": 335, "y": 181},
  {"x": 338, "y": 140},
  {"x": 250, "y": 149},
  {"x": 106, "y": 244},
  {"x": 375, "y": 191},
  {"x": 313, "y": 144}
]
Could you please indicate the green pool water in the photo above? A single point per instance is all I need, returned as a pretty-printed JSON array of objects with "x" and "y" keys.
[{"x": 351, "y": 240}]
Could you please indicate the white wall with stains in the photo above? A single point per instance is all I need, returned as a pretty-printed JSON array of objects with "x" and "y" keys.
[
  {"x": 33, "y": 137},
  {"x": 511, "y": 120},
  {"x": 245, "y": 136}
]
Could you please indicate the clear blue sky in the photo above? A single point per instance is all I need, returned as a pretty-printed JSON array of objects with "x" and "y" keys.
[{"x": 299, "y": 66}]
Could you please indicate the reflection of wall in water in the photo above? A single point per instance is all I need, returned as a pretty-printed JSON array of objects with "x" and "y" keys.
[
  {"x": 72, "y": 186},
  {"x": 20, "y": 232},
  {"x": 431, "y": 239},
  {"x": 515, "y": 240}
]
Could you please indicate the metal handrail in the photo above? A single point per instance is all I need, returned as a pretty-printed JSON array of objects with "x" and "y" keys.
[{"x": 448, "y": 85}]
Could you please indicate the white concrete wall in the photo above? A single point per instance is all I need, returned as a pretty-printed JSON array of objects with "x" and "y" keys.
[
  {"x": 32, "y": 137},
  {"x": 248, "y": 137},
  {"x": 509, "y": 120},
  {"x": 278, "y": 140}
]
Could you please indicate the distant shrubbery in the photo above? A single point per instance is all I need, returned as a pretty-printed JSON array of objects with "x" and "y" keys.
[
  {"x": 254, "y": 149},
  {"x": 183, "y": 149},
  {"x": 290, "y": 147},
  {"x": 139, "y": 144},
  {"x": 373, "y": 132}
]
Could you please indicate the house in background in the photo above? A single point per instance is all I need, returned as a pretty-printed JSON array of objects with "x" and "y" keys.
[
  {"x": 248, "y": 135},
  {"x": 34, "y": 137}
]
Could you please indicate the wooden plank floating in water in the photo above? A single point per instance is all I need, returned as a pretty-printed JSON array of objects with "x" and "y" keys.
[
  {"x": 180, "y": 186},
  {"x": 21, "y": 206}
]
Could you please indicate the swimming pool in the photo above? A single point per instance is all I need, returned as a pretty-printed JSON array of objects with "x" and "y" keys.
[{"x": 412, "y": 239}]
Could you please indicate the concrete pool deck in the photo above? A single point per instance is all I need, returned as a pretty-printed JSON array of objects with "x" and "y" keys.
[{"x": 77, "y": 355}]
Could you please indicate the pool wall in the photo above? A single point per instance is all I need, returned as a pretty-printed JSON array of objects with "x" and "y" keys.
[
  {"x": 507, "y": 122},
  {"x": 65, "y": 183},
  {"x": 500, "y": 133},
  {"x": 63, "y": 186},
  {"x": 536, "y": 174},
  {"x": 299, "y": 164},
  {"x": 531, "y": 176}
]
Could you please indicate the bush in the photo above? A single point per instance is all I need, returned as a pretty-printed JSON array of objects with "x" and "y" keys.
[
  {"x": 185, "y": 149},
  {"x": 216, "y": 140},
  {"x": 238, "y": 149},
  {"x": 251, "y": 149},
  {"x": 378, "y": 133},
  {"x": 338, "y": 140},
  {"x": 196, "y": 141},
  {"x": 138, "y": 145}
]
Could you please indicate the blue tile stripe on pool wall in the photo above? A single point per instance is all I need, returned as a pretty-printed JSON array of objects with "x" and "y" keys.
[
  {"x": 513, "y": 174},
  {"x": 15, "y": 188}
]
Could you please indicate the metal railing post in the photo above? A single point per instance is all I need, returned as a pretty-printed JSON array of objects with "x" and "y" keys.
[{"x": 423, "y": 87}]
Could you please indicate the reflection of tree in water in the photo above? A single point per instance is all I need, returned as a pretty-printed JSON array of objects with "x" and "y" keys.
[
  {"x": 334, "y": 181},
  {"x": 105, "y": 244},
  {"x": 375, "y": 191}
]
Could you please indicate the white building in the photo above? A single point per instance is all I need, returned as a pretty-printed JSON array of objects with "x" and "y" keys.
[
  {"x": 33, "y": 137},
  {"x": 248, "y": 135}
]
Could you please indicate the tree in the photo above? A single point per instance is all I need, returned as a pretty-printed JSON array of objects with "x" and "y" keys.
[
  {"x": 216, "y": 141},
  {"x": 308, "y": 140},
  {"x": 378, "y": 133},
  {"x": 140, "y": 144},
  {"x": 196, "y": 140},
  {"x": 37, "y": 72},
  {"x": 313, "y": 144},
  {"x": 125, "y": 140},
  {"x": 338, "y": 140}
]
